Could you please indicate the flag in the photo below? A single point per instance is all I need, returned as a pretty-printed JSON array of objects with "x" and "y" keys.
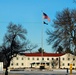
[
  {"x": 45, "y": 23},
  {"x": 45, "y": 16}
]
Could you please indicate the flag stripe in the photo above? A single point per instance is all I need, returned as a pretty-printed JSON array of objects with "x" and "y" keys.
[{"x": 45, "y": 16}]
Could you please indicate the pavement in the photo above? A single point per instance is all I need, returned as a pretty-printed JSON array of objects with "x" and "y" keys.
[{"x": 41, "y": 72}]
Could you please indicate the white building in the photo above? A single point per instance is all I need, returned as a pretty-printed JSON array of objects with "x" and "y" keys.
[
  {"x": 1, "y": 66},
  {"x": 66, "y": 60},
  {"x": 46, "y": 60}
]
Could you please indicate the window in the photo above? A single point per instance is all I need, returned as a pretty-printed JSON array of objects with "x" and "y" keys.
[
  {"x": 37, "y": 63},
  {"x": 47, "y": 64},
  {"x": 52, "y": 58},
  {"x": 17, "y": 58},
  {"x": 42, "y": 58},
  {"x": 22, "y": 64},
  {"x": 63, "y": 64},
  {"x": 62, "y": 58},
  {"x": 68, "y": 64},
  {"x": 73, "y": 64},
  {"x": 32, "y": 58},
  {"x": 68, "y": 58},
  {"x": 17, "y": 64},
  {"x": 73, "y": 58},
  {"x": 33, "y": 63},
  {"x": 22, "y": 58},
  {"x": 37, "y": 58},
  {"x": 56, "y": 58},
  {"x": 11, "y": 64},
  {"x": 47, "y": 58},
  {"x": 28, "y": 58}
]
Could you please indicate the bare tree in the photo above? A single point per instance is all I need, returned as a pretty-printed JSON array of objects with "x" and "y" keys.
[
  {"x": 40, "y": 50},
  {"x": 54, "y": 63},
  {"x": 60, "y": 49},
  {"x": 67, "y": 50},
  {"x": 74, "y": 1},
  {"x": 14, "y": 43},
  {"x": 64, "y": 33}
]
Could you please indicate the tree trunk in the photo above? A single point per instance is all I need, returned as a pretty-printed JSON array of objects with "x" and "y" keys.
[
  {"x": 6, "y": 72},
  {"x": 8, "y": 63}
]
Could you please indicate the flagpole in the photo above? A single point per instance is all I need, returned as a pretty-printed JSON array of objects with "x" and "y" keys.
[
  {"x": 44, "y": 16},
  {"x": 42, "y": 36}
]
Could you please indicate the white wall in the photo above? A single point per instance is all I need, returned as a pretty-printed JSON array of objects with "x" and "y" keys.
[
  {"x": 27, "y": 63},
  {"x": 1, "y": 66},
  {"x": 68, "y": 59}
]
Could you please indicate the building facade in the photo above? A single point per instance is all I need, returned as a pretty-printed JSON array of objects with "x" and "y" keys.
[{"x": 46, "y": 60}]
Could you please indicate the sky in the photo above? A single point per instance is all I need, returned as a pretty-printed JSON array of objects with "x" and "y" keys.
[{"x": 29, "y": 14}]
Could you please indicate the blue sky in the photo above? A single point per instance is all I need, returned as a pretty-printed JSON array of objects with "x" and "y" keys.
[{"x": 28, "y": 13}]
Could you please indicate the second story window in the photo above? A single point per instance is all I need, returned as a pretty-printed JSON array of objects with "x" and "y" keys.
[
  {"x": 28, "y": 58},
  {"x": 17, "y": 58},
  {"x": 52, "y": 58},
  {"x": 73, "y": 58},
  {"x": 47, "y": 58},
  {"x": 37, "y": 58},
  {"x": 68, "y": 58},
  {"x": 11, "y": 64},
  {"x": 42, "y": 58},
  {"x": 32, "y": 58},
  {"x": 56, "y": 58},
  {"x": 22, "y": 58},
  {"x": 62, "y": 58}
]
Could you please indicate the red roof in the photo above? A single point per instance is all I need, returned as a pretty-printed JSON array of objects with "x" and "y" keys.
[{"x": 44, "y": 54}]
